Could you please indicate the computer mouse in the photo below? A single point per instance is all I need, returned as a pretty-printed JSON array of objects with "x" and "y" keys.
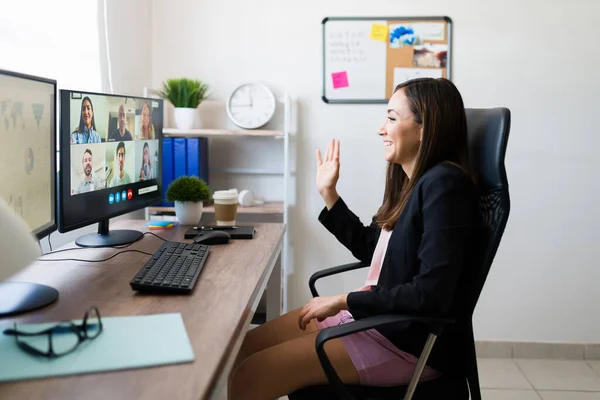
[{"x": 212, "y": 237}]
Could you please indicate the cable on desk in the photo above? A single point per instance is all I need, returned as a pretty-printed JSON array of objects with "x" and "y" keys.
[
  {"x": 103, "y": 247},
  {"x": 69, "y": 249},
  {"x": 87, "y": 248},
  {"x": 49, "y": 242},
  {"x": 93, "y": 261},
  {"x": 150, "y": 233}
]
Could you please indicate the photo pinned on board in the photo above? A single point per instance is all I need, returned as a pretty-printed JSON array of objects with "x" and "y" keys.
[
  {"x": 430, "y": 55},
  {"x": 415, "y": 34}
]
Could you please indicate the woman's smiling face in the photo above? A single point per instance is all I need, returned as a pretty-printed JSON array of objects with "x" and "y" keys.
[
  {"x": 400, "y": 132},
  {"x": 87, "y": 113}
]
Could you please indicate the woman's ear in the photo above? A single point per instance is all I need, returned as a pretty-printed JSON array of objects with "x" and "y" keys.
[{"x": 421, "y": 134}]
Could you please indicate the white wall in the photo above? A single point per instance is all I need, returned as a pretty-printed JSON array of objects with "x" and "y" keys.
[
  {"x": 42, "y": 43},
  {"x": 536, "y": 57},
  {"x": 129, "y": 26}
]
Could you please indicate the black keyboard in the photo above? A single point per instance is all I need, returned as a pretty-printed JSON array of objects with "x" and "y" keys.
[{"x": 174, "y": 268}]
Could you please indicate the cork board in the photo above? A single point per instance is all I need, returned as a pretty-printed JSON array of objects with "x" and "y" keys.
[{"x": 364, "y": 58}]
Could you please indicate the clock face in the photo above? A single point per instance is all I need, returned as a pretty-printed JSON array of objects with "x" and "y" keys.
[{"x": 251, "y": 106}]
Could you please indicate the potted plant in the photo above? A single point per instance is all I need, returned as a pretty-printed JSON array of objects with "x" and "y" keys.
[
  {"x": 185, "y": 95},
  {"x": 189, "y": 194}
]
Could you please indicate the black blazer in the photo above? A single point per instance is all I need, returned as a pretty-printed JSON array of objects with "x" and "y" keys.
[{"x": 427, "y": 263}]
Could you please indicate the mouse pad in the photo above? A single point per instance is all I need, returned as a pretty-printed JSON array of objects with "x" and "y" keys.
[
  {"x": 125, "y": 342},
  {"x": 236, "y": 232}
]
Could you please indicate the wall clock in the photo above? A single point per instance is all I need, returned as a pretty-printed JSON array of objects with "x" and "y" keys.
[{"x": 251, "y": 105}]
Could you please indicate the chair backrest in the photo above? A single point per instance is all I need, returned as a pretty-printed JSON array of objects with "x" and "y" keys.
[{"x": 488, "y": 131}]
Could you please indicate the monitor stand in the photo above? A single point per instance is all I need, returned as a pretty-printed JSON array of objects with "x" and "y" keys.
[
  {"x": 106, "y": 238},
  {"x": 20, "y": 297}
]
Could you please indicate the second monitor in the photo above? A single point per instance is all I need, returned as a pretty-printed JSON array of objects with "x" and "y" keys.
[{"x": 109, "y": 162}]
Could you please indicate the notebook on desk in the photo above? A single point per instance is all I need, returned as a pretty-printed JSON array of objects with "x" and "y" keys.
[
  {"x": 236, "y": 232},
  {"x": 125, "y": 343}
]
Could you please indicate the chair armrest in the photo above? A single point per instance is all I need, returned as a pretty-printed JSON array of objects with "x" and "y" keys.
[
  {"x": 331, "y": 271},
  {"x": 362, "y": 325}
]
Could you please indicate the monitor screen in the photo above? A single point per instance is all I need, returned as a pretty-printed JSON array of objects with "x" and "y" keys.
[
  {"x": 110, "y": 156},
  {"x": 28, "y": 150}
]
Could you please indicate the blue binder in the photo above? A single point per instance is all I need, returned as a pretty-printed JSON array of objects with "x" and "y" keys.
[
  {"x": 193, "y": 145},
  {"x": 179, "y": 157},
  {"x": 167, "y": 168},
  {"x": 183, "y": 156},
  {"x": 203, "y": 160},
  {"x": 197, "y": 158}
]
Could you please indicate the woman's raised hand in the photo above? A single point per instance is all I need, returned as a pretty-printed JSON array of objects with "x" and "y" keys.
[{"x": 328, "y": 172}]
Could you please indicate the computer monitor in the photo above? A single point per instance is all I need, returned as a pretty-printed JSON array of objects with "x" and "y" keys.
[
  {"x": 28, "y": 184},
  {"x": 110, "y": 159}
]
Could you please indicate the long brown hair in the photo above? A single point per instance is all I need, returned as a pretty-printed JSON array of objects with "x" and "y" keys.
[
  {"x": 437, "y": 105},
  {"x": 82, "y": 125}
]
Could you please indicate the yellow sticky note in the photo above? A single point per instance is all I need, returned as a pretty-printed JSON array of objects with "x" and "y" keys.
[{"x": 379, "y": 32}]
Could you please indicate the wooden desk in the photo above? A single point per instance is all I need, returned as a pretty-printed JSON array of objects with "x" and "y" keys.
[{"x": 216, "y": 314}]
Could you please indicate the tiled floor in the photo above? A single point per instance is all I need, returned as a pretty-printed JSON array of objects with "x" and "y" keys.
[{"x": 520, "y": 379}]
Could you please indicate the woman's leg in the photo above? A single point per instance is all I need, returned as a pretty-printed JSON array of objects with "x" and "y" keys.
[
  {"x": 278, "y": 330},
  {"x": 283, "y": 368}
]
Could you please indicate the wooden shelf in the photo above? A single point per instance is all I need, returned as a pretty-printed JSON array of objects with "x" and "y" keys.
[
  {"x": 271, "y": 207},
  {"x": 220, "y": 132}
]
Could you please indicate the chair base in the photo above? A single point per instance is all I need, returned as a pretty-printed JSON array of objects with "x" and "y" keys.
[{"x": 441, "y": 388}]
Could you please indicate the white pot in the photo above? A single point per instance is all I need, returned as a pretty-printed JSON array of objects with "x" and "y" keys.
[
  {"x": 185, "y": 118},
  {"x": 188, "y": 212}
]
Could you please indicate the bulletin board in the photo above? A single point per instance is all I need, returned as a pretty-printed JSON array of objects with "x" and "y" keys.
[{"x": 364, "y": 58}]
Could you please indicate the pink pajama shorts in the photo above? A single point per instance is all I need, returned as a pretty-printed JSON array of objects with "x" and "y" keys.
[{"x": 376, "y": 359}]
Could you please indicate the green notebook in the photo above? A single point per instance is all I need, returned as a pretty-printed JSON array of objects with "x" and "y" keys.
[{"x": 125, "y": 342}]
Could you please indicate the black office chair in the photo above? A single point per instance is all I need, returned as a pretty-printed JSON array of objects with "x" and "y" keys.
[{"x": 487, "y": 141}]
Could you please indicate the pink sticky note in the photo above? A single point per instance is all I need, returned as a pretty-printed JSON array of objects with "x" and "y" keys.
[{"x": 340, "y": 79}]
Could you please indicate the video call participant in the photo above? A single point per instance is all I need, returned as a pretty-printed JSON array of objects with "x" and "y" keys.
[
  {"x": 86, "y": 131},
  {"x": 146, "y": 129},
  {"x": 146, "y": 172},
  {"x": 121, "y": 133},
  {"x": 90, "y": 182},
  {"x": 120, "y": 177}
]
